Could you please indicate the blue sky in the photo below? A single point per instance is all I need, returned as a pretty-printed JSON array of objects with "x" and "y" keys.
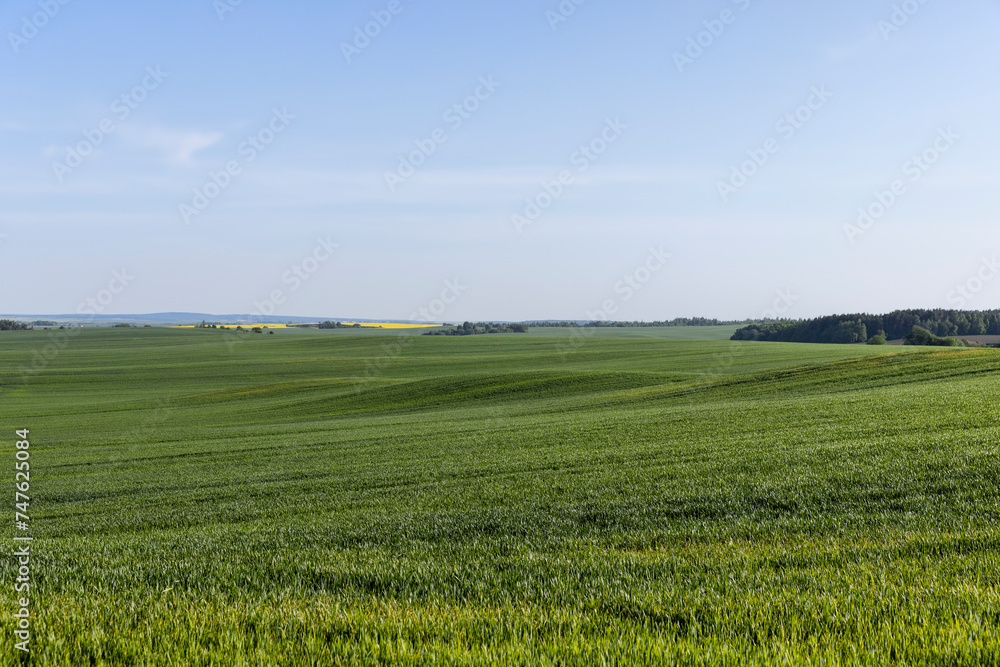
[{"x": 895, "y": 80}]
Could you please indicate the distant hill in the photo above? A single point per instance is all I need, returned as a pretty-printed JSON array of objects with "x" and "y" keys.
[
  {"x": 179, "y": 318},
  {"x": 182, "y": 318}
]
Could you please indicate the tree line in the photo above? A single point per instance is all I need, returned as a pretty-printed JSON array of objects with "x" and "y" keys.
[
  {"x": 676, "y": 322},
  {"x": 337, "y": 325},
  {"x": 856, "y": 328},
  {"x": 479, "y": 328},
  {"x": 11, "y": 325}
]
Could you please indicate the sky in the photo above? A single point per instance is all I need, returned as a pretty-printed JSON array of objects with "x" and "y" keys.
[{"x": 525, "y": 159}]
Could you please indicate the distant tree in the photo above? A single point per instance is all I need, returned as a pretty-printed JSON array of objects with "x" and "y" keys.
[
  {"x": 11, "y": 325},
  {"x": 877, "y": 339},
  {"x": 850, "y": 332},
  {"x": 336, "y": 325},
  {"x": 977, "y": 324},
  {"x": 477, "y": 328},
  {"x": 921, "y": 336}
]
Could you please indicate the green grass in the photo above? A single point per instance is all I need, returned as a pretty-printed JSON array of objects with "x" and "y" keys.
[{"x": 299, "y": 500}]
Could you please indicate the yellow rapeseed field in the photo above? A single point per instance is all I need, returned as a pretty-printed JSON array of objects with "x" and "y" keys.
[{"x": 391, "y": 325}]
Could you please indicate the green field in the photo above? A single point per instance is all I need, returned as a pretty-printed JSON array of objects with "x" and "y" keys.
[
  {"x": 325, "y": 500},
  {"x": 723, "y": 332}
]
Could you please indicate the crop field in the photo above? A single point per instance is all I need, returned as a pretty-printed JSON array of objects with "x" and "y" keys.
[
  {"x": 720, "y": 332},
  {"x": 503, "y": 500}
]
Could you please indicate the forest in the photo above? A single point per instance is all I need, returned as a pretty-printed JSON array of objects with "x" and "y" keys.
[{"x": 856, "y": 328}]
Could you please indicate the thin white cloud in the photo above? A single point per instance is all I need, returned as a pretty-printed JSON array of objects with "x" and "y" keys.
[{"x": 178, "y": 146}]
